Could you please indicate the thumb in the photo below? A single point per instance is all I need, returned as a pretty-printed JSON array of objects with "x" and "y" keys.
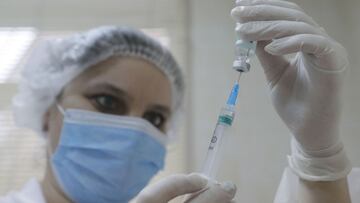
[
  {"x": 215, "y": 193},
  {"x": 273, "y": 65},
  {"x": 171, "y": 187}
]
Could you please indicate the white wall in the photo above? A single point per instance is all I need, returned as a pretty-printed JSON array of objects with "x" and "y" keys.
[{"x": 256, "y": 154}]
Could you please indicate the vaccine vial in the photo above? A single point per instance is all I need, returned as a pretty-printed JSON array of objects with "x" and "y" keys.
[{"x": 244, "y": 50}]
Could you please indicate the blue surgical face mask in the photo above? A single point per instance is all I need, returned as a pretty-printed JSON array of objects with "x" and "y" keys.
[{"x": 105, "y": 158}]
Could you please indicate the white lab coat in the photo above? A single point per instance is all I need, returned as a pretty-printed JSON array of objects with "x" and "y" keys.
[{"x": 31, "y": 192}]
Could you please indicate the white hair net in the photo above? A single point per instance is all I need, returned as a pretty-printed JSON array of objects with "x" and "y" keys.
[{"x": 54, "y": 63}]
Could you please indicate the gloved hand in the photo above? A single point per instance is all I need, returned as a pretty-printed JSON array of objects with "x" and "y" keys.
[
  {"x": 177, "y": 185},
  {"x": 306, "y": 89}
]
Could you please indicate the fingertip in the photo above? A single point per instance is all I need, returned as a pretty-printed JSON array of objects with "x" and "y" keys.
[
  {"x": 229, "y": 187},
  {"x": 233, "y": 13},
  {"x": 236, "y": 13},
  {"x": 197, "y": 180}
]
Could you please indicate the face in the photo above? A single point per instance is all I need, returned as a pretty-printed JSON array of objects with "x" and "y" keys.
[{"x": 124, "y": 86}]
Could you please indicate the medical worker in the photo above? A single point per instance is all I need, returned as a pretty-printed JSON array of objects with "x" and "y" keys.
[
  {"x": 108, "y": 99},
  {"x": 105, "y": 101}
]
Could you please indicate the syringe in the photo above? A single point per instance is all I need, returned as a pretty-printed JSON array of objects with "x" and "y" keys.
[
  {"x": 244, "y": 50},
  {"x": 225, "y": 119}
]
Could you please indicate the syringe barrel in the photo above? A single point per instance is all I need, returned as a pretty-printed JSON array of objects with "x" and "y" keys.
[{"x": 221, "y": 132}]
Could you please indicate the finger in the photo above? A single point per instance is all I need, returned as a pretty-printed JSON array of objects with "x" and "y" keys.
[
  {"x": 284, "y": 4},
  {"x": 267, "y": 30},
  {"x": 171, "y": 187},
  {"x": 217, "y": 192},
  {"x": 228, "y": 190},
  {"x": 273, "y": 65},
  {"x": 245, "y": 14},
  {"x": 307, "y": 43},
  {"x": 321, "y": 47}
]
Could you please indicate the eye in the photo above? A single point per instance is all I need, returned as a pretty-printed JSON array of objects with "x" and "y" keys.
[
  {"x": 156, "y": 119},
  {"x": 109, "y": 104}
]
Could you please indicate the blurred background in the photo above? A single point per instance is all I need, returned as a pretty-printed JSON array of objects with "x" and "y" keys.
[{"x": 201, "y": 35}]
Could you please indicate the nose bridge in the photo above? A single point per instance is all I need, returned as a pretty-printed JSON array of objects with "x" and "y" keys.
[{"x": 137, "y": 109}]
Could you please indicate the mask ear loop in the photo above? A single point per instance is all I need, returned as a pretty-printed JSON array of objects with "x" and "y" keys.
[
  {"x": 61, "y": 109},
  {"x": 49, "y": 149}
]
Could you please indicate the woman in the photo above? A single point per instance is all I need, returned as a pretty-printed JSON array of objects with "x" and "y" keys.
[{"x": 105, "y": 100}]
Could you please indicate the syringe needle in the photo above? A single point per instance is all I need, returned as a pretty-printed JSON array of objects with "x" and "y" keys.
[{"x": 238, "y": 80}]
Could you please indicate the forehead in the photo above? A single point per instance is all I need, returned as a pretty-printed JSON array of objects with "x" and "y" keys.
[{"x": 141, "y": 80}]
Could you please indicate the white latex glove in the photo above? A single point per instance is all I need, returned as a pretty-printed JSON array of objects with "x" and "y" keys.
[
  {"x": 174, "y": 186},
  {"x": 306, "y": 89}
]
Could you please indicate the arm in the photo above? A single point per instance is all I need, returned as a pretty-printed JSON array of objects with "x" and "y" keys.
[{"x": 306, "y": 91}]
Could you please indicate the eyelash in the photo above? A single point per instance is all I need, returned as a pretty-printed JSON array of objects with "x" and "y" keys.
[
  {"x": 101, "y": 107},
  {"x": 163, "y": 119}
]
